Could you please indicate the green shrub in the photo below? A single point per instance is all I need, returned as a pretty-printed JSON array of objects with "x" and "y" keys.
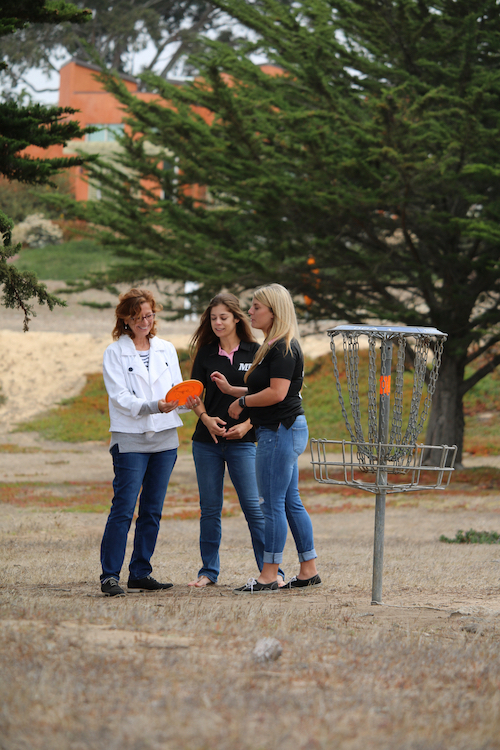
[{"x": 472, "y": 537}]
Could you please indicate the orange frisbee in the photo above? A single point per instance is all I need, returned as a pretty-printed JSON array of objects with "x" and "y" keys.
[{"x": 182, "y": 391}]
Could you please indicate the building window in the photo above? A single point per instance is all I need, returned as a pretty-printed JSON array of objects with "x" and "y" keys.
[{"x": 106, "y": 133}]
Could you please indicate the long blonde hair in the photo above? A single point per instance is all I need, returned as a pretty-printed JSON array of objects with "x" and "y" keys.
[{"x": 279, "y": 301}]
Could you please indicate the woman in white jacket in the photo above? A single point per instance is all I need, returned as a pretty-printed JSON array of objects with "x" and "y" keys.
[{"x": 138, "y": 370}]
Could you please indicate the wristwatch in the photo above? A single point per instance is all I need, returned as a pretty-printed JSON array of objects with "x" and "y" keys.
[{"x": 241, "y": 402}]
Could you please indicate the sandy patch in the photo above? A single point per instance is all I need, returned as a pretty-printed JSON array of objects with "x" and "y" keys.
[{"x": 40, "y": 369}]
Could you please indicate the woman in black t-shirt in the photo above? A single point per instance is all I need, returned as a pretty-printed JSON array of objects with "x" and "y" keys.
[
  {"x": 272, "y": 398},
  {"x": 223, "y": 343}
]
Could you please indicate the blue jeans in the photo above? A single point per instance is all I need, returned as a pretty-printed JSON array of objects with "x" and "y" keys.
[
  {"x": 151, "y": 471},
  {"x": 210, "y": 460},
  {"x": 278, "y": 481}
]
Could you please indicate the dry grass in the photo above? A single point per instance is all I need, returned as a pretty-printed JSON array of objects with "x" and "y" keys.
[
  {"x": 175, "y": 670},
  {"x": 182, "y": 499}
]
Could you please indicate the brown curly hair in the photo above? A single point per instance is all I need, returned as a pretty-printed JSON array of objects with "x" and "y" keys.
[{"x": 129, "y": 306}]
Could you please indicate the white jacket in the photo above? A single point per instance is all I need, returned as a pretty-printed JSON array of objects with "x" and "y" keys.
[{"x": 129, "y": 384}]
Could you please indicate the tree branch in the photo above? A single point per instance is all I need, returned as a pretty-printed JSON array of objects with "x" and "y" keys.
[
  {"x": 37, "y": 91},
  {"x": 473, "y": 355},
  {"x": 480, "y": 374}
]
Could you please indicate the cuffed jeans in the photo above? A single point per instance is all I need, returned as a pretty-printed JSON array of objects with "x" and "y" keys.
[
  {"x": 151, "y": 471},
  {"x": 278, "y": 481},
  {"x": 210, "y": 460}
]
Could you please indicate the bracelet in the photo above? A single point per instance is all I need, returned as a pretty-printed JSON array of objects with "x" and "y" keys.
[{"x": 200, "y": 415}]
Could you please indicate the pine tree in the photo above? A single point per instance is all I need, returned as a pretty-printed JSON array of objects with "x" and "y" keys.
[
  {"x": 33, "y": 125},
  {"x": 362, "y": 171}
]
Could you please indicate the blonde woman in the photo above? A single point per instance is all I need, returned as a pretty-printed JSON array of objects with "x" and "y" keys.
[{"x": 273, "y": 402}]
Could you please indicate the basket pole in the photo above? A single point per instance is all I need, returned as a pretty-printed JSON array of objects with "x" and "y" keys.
[{"x": 383, "y": 437}]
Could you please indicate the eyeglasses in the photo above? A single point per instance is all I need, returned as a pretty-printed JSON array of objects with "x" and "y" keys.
[{"x": 149, "y": 318}]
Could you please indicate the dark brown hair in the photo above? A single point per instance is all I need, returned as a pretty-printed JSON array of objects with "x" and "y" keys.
[
  {"x": 129, "y": 306},
  {"x": 204, "y": 334}
]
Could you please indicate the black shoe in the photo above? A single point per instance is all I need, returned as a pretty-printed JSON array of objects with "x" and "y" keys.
[
  {"x": 144, "y": 585},
  {"x": 111, "y": 587},
  {"x": 297, "y": 583},
  {"x": 254, "y": 587}
]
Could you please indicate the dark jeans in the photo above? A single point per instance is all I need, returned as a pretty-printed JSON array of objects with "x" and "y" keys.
[
  {"x": 151, "y": 471},
  {"x": 210, "y": 460}
]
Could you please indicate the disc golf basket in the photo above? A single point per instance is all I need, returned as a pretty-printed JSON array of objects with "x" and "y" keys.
[{"x": 382, "y": 456}]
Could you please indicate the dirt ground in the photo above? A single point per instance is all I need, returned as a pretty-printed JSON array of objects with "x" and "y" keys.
[{"x": 178, "y": 670}]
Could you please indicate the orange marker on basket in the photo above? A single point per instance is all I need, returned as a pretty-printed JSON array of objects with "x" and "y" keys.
[{"x": 385, "y": 385}]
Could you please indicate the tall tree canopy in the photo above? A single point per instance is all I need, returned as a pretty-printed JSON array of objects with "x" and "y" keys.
[
  {"x": 117, "y": 31},
  {"x": 21, "y": 127},
  {"x": 363, "y": 171}
]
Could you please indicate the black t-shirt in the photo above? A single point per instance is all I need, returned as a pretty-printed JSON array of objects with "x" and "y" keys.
[
  {"x": 278, "y": 363},
  {"x": 207, "y": 361}
]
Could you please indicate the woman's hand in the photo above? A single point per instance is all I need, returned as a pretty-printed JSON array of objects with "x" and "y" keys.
[
  {"x": 192, "y": 402},
  {"x": 238, "y": 431},
  {"x": 235, "y": 410},
  {"x": 223, "y": 385},
  {"x": 215, "y": 425},
  {"x": 166, "y": 406},
  {"x": 222, "y": 382}
]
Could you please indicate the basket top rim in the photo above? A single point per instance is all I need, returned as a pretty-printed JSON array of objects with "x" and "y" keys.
[{"x": 387, "y": 331}]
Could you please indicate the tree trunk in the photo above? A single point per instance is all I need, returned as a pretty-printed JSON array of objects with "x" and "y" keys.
[{"x": 446, "y": 421}]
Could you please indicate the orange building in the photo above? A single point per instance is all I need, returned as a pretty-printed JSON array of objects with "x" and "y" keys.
[{"x": 80, "y": 90}]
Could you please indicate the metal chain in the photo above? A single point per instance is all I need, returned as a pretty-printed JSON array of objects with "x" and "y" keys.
[
  {"x": 383, "y": 456},
  {"x": 351, "y": 361},
  {"x": 419, "y": 372},
  {"x": 351, "y": 355},
  {"x": 399, "y": 456},
  {"x": 372, "y": 392},
  {"x": 433, "y": 377},
  {"x": 339, "y": 386},
  {"x": 397, "y": 412}
]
